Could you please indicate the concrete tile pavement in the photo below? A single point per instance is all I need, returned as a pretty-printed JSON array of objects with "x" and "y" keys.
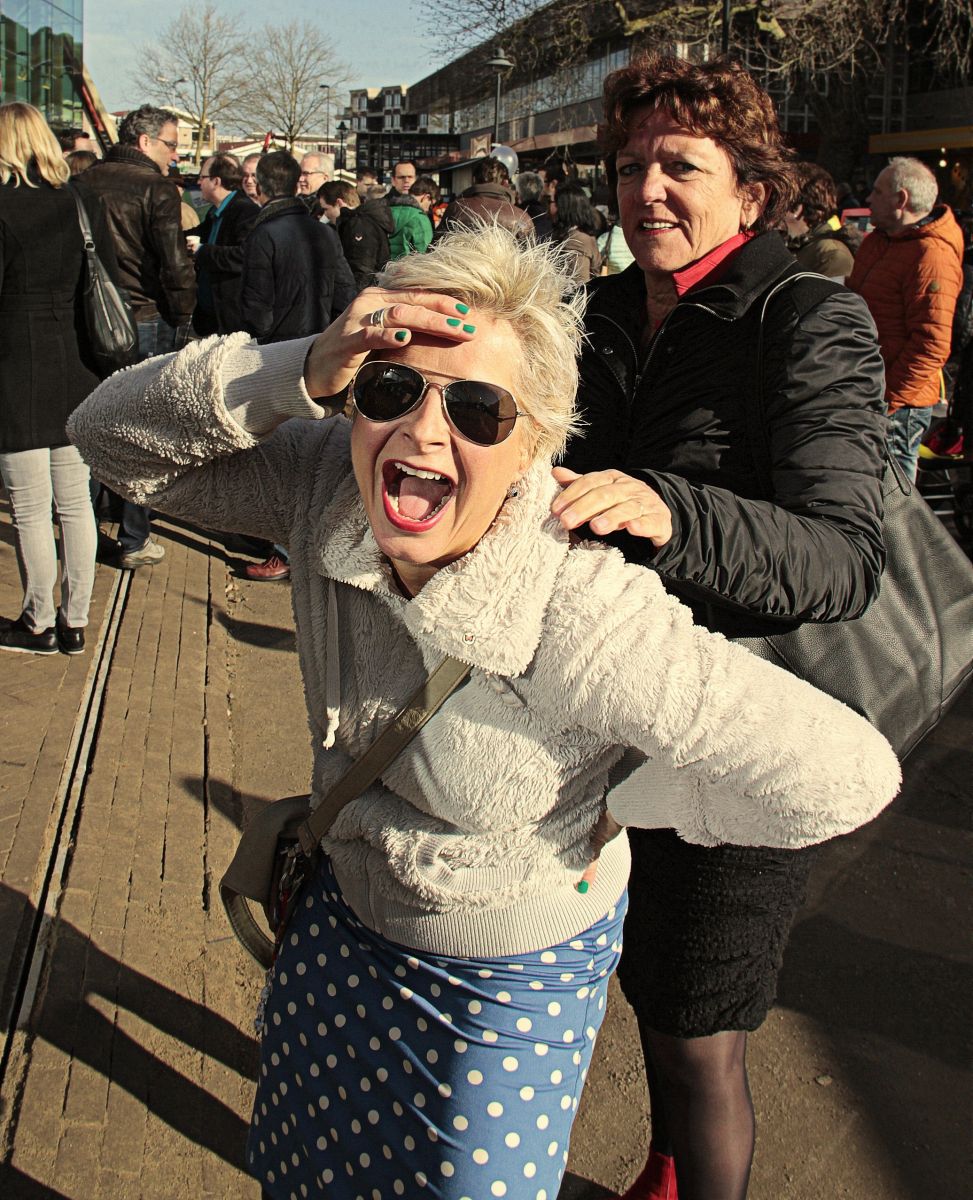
[{"x": 131, "y": 1076}]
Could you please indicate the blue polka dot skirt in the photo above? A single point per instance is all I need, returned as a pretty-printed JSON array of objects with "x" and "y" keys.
[{"x": 392, "y": 1072}]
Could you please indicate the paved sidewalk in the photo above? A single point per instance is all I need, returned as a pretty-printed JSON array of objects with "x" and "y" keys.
[{"x": 132, "y": 1072}]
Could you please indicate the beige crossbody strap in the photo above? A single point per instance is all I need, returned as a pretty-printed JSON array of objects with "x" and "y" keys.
[{"x": 428, "y": 698}]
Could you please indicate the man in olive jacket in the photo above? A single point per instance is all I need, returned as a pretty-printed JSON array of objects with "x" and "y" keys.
[{"x": 141, "y": 207}]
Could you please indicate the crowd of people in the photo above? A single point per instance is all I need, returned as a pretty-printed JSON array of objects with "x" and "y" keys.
[{"x": 550, "y": 472}]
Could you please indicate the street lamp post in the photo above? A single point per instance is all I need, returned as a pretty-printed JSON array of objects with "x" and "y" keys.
[
  {"x": 342, "y": 130},
  {"x": 500, "y": 63}
]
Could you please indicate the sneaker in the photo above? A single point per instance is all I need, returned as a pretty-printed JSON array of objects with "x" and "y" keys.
[
  {"x": 273, "y": 568},
  {"x": 942, "y": 444},
  {"x": 69, "y": 641},
  {"x": 146, "y": 555},
  {"x": 17, "y": 637}
]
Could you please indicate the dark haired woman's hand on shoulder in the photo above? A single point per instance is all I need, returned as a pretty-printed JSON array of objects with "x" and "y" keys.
[{"x": 609, "y": 501}]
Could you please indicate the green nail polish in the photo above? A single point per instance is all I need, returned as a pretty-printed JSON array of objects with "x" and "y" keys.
[
  {"x": 583, "y": 886},
  {"x": 401, "y": 335},
  {"x": 463, "y": 308},
  {"x": 454, "y": 321},
  {"x": 469, "y": 329}
]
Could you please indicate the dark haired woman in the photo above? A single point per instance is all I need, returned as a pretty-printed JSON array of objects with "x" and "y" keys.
[
  {"x": 735, "y": 443},
  {"x": 576, "y": 226}
]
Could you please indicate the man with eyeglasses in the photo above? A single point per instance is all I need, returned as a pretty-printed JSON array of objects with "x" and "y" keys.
[
  {"x": 313, "y": 175},
  {"x": 219, "y": 258},
  {"x": 142, "y": 205}
]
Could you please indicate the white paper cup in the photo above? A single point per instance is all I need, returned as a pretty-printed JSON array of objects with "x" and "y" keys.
[{"x": 192, "y": 241}]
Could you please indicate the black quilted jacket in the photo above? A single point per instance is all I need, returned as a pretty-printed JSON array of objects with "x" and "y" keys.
[{"x": 770, "y": 530}]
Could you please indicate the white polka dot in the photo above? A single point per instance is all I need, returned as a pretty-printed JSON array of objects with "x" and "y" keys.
[
  {"x": 530, "y": 1170},
  {"x": 475, "y": 1078},
  {"x": 474, "y": 1007},
  {"x": 331, "y": 1062},
  {"x": 407, "y": 1066},
  {"x": 355, "y": 1127},
  {"x": 515, "y": 966},
  {"x": 453, "y": 980},
  {"x": 447, "y": 1169},
  {"x": 512, "y": 1140},
  {"x": 398, "y": 1187},
  {"x": 409, "y": 1143},
  {"x": 554, "y": 1008},
  {"x": 328, "y": 1176},
  {"x": 397, "y": 1108},
  {"x": 543, "y": 1121},
  {"x": 525, "y": 1024},
  {"x": 395, "y": 1033},
  {"x": 432, "y": 1057},
  {"x": 444, "y": 1090},
  {"x": 340, "y": 1021},
  {"x": 503, "y": 997},
  {"x": 495, "y": 1108},
  {"x": 498, "y": 1188},
  {"x": 421, "y": 1179},
  {"x": 419, "y": 1100},
  {"x": 541, "y": 1049},
  {"x": 460, "y": 1046},
  {"x": 400, "y": 971},
  {"x": 353, "y": 981},
  {"x": 510, "y": 1063},
  {"x": 322, "y": 960},
  {"x": 481, "y": 1157},
  {"x": 583, "y": 992},
  {"x": 535, "y": 985},
  {"x": 548, "y": 956},
  {"x": 490, "y": 1035},
  {"x": 373, "y": 1117},
  {"x": 602, "y": 941},
  {"x": 324, "y": 1103},
  {"x": 381, "y": 1075},
  {"x": 406, "y": 993},
  {"x": 350, "y": 1050},
  {"x": 301, "y": 969},
  {"x": 552, "y": 1149},
  {"x": 364, "y": 1160},
  {"x": 388, "y": 1003},
  {"x": 556, "y": 1077},
  {"x": 576, "y": 1058},
  {"x": 460, "y": 1123},
  {"x": 566, "y": 977},
  {"x": 422, "y": 1025},
  {"x": 576, "y": 945},
  {"x": 568, "y": 1035},
  {"x": 484, "y": 973},
  {"x": 565, "y": 1102},
  {"x": 322, "y": 1143},
  {"x": 315, "y": 1070},
  {"x": 374, "y": 1044},
  {"x": 413, "y": 962},
  {"x": 344, "y": 952},
  {"x": 435, "y": 990},
  {"x": 527, "y": 1093},
  {"x": 365, "y": 1085}
]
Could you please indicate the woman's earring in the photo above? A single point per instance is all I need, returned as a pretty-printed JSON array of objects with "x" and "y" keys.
[{"x": 513, "y": 492}]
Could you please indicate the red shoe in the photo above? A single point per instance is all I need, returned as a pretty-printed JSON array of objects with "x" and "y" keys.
[
  {"x": 273, "y": 568},
  {"x": 657, "y": 1181}
]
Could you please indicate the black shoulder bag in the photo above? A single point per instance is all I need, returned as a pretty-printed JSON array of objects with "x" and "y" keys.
[
  {"x": 903, "y": 663},
  {"x": 113, "y": 338}
]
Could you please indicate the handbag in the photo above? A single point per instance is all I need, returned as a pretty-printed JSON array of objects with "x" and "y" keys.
[
  {"x": 903, "y": 663},
  {"x": 113, "y": 338},
  {"x": 279, "y": 849}
]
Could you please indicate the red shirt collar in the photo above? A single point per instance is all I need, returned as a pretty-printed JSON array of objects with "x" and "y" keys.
[{"x": 706, "y": 266}]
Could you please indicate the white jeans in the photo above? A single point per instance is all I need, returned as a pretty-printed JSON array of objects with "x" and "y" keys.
[{"x": 34, "y": 479}]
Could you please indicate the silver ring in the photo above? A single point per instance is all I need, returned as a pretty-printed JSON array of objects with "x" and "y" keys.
[{"x": 378, "y": 318}]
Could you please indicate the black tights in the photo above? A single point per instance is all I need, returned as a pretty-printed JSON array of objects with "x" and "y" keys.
[{"x": 702, "y": 1113}]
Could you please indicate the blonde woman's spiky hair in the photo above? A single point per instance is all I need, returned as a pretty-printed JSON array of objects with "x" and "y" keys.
[
  {"x": 26, "y": 141},
  {"x": 527, "y": 284}
]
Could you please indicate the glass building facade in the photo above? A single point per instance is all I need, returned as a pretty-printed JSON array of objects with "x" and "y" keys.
[{"x": 41, "y": 56}]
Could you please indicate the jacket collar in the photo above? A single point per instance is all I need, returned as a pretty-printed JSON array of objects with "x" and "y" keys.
[
  {"x": 748, "y": 274},
  {"x": 462, "y": 611},
  {"x": 285, "y": 206},
  {"x": 132, "y": 155}
]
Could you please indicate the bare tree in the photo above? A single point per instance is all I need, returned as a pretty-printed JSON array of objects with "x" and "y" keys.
[
  {"x": 198, "y": 64},
  {"x": 290, "y": 63}
]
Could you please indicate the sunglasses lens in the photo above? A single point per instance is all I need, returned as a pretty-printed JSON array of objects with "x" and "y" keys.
[
  {"x": 481, "y": 412},
  {"x": 386, "y": 391}
]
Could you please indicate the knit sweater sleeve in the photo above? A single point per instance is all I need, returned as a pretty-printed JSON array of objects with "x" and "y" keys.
[
  {"x": 208, "y": 434},
  {"x": 740, "y": 751}
]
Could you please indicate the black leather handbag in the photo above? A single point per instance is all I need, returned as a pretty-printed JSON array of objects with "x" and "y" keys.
[
  {"x": 113, "y": 338},
  {"x": 903, "y": 663}
]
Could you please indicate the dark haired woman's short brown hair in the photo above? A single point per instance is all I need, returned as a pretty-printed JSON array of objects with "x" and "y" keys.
[
  {"x": 718, "y": 100},
  {"x": 815, "y": 193}
]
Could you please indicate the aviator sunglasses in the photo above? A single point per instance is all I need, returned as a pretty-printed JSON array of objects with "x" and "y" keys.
[{"x": 479, "y": 412}]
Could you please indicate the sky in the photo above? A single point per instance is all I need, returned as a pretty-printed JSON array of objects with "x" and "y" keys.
[{"x": 383, "y": 41}]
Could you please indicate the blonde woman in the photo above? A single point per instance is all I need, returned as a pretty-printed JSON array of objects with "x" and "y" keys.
[
  {"x": 433, "y": 1010},
  {"x": 45, "y": 372}
]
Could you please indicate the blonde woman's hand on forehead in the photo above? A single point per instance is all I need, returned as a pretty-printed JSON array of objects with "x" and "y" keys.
[
  {"x": 381, "y": 320},
  {"x": 609, "y": 501}
]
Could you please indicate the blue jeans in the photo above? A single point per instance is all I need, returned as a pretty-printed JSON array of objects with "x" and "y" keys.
[
  {"x": 907, "y": 428},
  {"x": 33, "y": 479}
]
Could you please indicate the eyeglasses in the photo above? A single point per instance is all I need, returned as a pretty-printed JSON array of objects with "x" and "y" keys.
[
  {"x": 173, "y": 146},
  {"x": 482, "y": 413},
  {"x": 305, "y": 174}
]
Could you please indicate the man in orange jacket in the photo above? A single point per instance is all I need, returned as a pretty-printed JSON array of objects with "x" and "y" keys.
[{"x": 909, "y": 274}]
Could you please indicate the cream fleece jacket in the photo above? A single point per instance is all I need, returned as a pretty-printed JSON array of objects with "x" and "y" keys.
[{"x": 474, "y": 838}]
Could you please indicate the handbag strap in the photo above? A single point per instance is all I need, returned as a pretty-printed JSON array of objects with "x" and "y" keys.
[
  {"x": 83, "y": 222},
  {"x": 426, "y": 700}
]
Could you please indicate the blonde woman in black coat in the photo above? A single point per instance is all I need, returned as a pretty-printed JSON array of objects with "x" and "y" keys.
[{"x": 45, "y": 373}]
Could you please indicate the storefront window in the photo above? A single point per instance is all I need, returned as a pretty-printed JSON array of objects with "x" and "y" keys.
[{"x": 41, "y": 56}]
